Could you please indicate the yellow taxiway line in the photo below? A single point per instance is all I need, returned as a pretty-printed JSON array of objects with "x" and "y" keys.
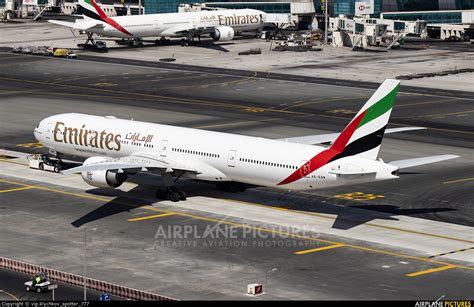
[
  {"x": 318, "y": 249},
  {"x": 283, "y": 233},
  {"x": 17, "y": 189},
  {"x": 443, "y": 268},
  {"x": 10, "y": 295},
  {"x": 149, "y": 217},
  {"x": 459, "y": 180}
]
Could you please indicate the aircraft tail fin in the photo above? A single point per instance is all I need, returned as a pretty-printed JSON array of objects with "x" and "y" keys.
[
  {"x": 363, "y": 135},
  {"x": 90, "y": 9}
]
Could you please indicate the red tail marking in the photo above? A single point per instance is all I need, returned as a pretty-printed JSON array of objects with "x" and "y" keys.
[
  {"x": 109, "y": 20},
  {"x": 326, "y": 155}
]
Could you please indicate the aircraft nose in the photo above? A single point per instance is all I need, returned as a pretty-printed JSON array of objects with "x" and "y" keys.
[{"x": 39, "y": 131}]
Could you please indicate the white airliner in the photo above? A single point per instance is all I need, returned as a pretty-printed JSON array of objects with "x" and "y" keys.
[
  {"x": 221, "y": 25},
  {"x": 116, "y": 147}
]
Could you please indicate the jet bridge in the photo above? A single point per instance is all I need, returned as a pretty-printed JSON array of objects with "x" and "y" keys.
[
  {"x": 279, "y": 21},
  {"x": 277, "y": 18}
]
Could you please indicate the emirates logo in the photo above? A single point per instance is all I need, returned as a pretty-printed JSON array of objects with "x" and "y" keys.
[{"x": 305, "y": 169}]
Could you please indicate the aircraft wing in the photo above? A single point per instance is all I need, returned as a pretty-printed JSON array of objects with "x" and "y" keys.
[
  {"x": 132, "y": 162},
  {"x": 82, "y": 25},
  {"x": 330, "y": 137},
  {"x": 182, "y": 29},
  {"x": 406, "y": 163}
]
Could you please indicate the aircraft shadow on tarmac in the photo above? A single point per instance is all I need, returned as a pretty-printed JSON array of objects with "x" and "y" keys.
[
  {"x": 124, "y": 202},
  {"x": 348, "y": 214},
  {"x": 208, "y": 44}
]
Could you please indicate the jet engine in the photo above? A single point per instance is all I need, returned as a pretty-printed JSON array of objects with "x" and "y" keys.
[
  {"x": 223, "y": 34},
  {"x": 102, "y": 179}
]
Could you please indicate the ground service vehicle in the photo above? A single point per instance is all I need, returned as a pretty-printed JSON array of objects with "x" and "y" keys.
[{"x": 43, "y": 162}]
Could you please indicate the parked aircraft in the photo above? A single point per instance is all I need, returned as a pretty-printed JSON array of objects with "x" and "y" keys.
[{"x": 221, "y": 25}]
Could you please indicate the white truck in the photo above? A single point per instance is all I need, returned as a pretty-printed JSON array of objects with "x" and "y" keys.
[{"x": 43, "y": 162}]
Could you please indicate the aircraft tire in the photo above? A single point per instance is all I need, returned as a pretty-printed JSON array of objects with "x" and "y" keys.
[
  {"x": 182, "y": 195},
  {"x": 173, "y": 196}
]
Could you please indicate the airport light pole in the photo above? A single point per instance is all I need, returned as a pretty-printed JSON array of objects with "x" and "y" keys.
[
  {"x": 85, "y": 261},
  {"x": 266, "y": 276},
  {"x": 326, "y": 22}
]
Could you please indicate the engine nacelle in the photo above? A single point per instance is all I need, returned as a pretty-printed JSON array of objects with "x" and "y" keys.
[
  {"x": 102, "y": 179},
  {"x": 223, "y": 34}
]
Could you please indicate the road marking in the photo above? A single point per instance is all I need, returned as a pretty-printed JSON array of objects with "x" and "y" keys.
[
  {"x": 177, "y": 100},
  {"x": 443, "y": 268},
  {"x": 16, "y": 92},
  {"x": 241, "y": 123},
  {"x": 253, "y": 204},
  {"x": 282, "y": 233},
  {"x": 17, "y": 189},
  {"x": 318, "y": 249},
  {"x": 222, "y": 83},
  {"x": 449, "y": 253},
  {"x": 103, "y": 84},
  {"x": 391, "y": 228},
  {"x": 459, "y": 180},
  {"x": 151, "y": 217},
  {"x": 111, "y": 61},
  {"x": 426, "y": 102},
  {"x": 436, "y": 115},
  {"x": 195, "y": 101},
  {"x": 340, "y": 111},
  {"x": 254, "y": 110},
  {"x": 31, "y": 145},
  {"x": 359, "y": 196},
  {"x": 300, "y": 103},
  {"x": 165, "y": 79},
  {"x": 9, "y": 294}
]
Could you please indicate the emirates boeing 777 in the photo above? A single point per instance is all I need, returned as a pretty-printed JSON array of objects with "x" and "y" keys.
[
  {"x": 221, "y": 25},
  {"x": 116, "y": 148}
]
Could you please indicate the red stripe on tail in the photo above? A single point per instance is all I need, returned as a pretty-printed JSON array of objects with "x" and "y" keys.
[
  {"x": 326, "y": 155},
  {"x": 109, "y": 20}
]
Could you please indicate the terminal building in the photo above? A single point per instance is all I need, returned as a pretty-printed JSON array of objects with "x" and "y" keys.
[
  {"x": 347, "y": 7},
  {"x": 431, "y": 11}
]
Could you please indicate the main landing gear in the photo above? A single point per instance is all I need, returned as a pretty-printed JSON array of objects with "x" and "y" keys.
[
  {"x": 92, "y": 44},
  {"x": 170, "y": 192},
  {"x": 163, "y": 41},
  {"x": 189, "y": 40}
]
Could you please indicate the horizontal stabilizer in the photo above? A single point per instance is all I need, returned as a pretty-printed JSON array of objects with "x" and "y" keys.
[
  {"x": 82, "y": 25},
  {"x": 62, "y": 23},
  {"x": 406, "y": 163},
  {"x": 330, "y": 137}
]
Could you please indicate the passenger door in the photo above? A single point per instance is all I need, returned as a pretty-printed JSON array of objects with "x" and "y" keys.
[
  {"x": 231, "y": 158},
  {"x": 163, "y": 148}
]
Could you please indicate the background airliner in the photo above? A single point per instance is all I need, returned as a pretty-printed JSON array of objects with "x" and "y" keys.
[
  {"x": 221, "y": 25},
  {"x": 116, "y": 148}
]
